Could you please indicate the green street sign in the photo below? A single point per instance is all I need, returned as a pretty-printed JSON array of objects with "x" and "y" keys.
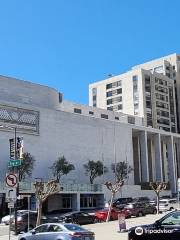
[{"x": 14, "y": 163}]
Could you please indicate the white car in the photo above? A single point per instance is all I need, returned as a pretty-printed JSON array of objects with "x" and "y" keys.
[
  {"x": 6, "y": 219},
  {"x": 167, "y": 205}
]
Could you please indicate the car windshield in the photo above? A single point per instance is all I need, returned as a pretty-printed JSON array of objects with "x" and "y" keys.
[{"x": 74, "y": 227}]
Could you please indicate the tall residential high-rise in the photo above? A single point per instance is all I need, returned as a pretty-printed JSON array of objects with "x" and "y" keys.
[{"x": 150, "y": 90}]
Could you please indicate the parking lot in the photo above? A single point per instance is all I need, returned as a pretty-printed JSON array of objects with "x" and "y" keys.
[{"x": 103, "y": 231}]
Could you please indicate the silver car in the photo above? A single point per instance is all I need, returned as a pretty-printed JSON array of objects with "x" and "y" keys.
[{"x": 58, "y": 231}]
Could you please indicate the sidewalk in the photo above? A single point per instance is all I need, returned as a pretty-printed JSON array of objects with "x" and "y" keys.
[{"x": 105, "y": 231}]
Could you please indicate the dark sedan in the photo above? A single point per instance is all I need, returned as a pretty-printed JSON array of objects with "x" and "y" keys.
[
  {"x": 166, "y": 228},
  {"x": 139, "y": 209},
  {"x": 78, "y": 217}
]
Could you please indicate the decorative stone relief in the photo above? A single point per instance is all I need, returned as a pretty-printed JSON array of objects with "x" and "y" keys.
[{"x": 23, "y": 119}]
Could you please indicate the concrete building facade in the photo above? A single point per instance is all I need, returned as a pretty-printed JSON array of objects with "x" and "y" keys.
[
  {"x": 149, "y": 90},
  {"x": 52, "y": 127}
]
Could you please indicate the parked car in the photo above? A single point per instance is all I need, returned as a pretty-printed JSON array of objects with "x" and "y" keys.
[
  {"x": 139, "y": 209},
  {"x": 120, "y": 203},
  {"x": 22, "y": 221},
  {"x": 167, "y": 205},
  {"x": 166, "y": 228},
  {"x": 6, "y": 219},
  {"x": 101, "y": 215},
  {"x": 58, "y": 231},
  {"x": 78, "y": 217}
]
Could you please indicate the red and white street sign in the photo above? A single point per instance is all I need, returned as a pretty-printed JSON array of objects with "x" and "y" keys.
[{"x": 11, "y": 180}]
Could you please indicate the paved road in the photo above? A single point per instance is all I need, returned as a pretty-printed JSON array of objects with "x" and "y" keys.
[{"x": 103, "y": 231}]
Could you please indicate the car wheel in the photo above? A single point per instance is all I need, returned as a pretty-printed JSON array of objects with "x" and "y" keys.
[
  {"x": 140, "y": 214},
  {"x": 154, "y": 211},
  {"x": 99, "y": 220}
]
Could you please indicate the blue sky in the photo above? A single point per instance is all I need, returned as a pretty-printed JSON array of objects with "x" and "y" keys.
[{"x": 67, "y": 44}]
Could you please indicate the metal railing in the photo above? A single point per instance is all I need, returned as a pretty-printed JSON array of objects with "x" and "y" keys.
[{"x": 28, "y": 187}]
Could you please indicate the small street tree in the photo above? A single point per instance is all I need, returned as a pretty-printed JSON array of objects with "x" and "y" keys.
[
  {"x": 94, "y": 169},
  {"x": 42, "y": 192},
  {"x": 114, "y": 188},
  {"x": 26, "y": 167},
  {"x": 61, "y": 167},
  {"x": 158, "y": 187},
  {"x": 121, "y": 170}
]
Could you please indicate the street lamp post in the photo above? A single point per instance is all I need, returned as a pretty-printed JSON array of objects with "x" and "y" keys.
[{"x": 16, "y": 171}]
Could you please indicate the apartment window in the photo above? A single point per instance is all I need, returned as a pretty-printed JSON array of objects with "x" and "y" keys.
[
  {"x": 109, "y": 101},
  {"x": 158, "y": 69},
  {"x": 161, "y": 97},
  {"x": 135, "y": 78},
  {"x": 119, "y": 90},
  {"x": 109, "y": 94},
  {"x": 116, "y": 118},
  {"x": 136, "y": 106},
  {"x": 168, "y": 75},
  {"x": 77, "y": 110},
  {"x": 113, "y": 85},
  {"x": 162, "y": 105},
  {"x": 108, "y": 86},
  {"x": 174, "y": 67},
  {"x": 91, "y": 113},
  {"x": 104, "y": 116},
  {"x": 94, "y": 93},
  {"x": 161, "y": 89},
  {"x": 120, "y": 107},
  {"x": 114, "y": 92},
  {"x": 114, "y": 100},
  {"x": 163, "y": 121},
  {"x": 131, "y": 120},
  {"x": 110, "y": 108},
  {"x": 135, "y": 93},
  {"x": 163, "y": 113}
]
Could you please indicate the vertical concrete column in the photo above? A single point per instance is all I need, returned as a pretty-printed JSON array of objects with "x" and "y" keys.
[
  {"x": 144, "y": 157},
  {"x": 171, "y": 164},
  {"x": 76, "y": 202},
  {"x": 158, "y": 158}
]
